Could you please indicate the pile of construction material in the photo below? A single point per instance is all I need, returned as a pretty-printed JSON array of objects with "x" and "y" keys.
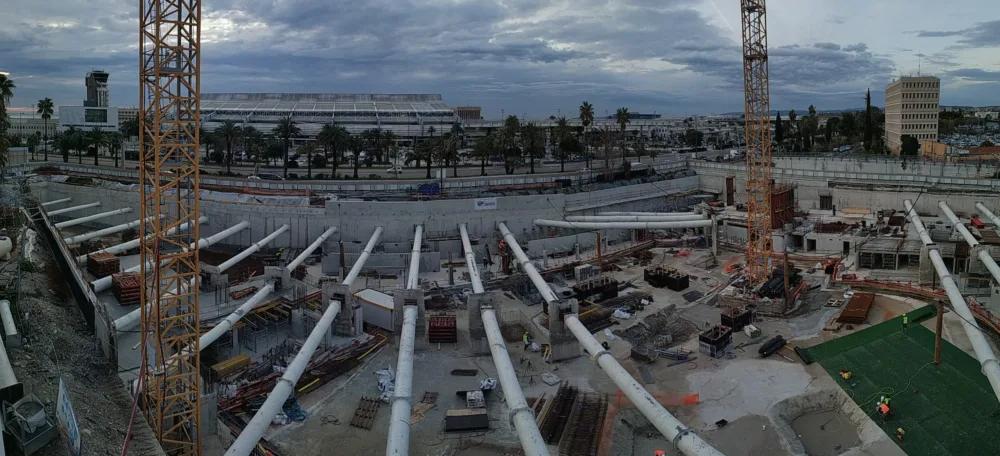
[
  {"x": 573, "y": 420},
  {"x": 660, "y": 276},
  {"x": 127, "y": 288},
  {"x": 102, "y": 264},
  {"x": 653, "y": 328}
]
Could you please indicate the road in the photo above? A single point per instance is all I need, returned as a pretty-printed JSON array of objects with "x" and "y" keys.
[{"x": 382, "y": 171}]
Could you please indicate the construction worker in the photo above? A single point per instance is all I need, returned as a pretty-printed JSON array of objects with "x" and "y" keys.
[
  {"x": 884, "y": 410},
  {"x": 527, "y": 339},
  {"x": 659, "y": 453},
  {"x": 906, "y": 321}
]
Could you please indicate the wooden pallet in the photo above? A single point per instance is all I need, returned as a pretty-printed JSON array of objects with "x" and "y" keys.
[{"x": 364, "y": 415}]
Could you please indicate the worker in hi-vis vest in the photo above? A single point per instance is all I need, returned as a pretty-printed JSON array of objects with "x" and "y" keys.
[{"x": 906, "y": 321}]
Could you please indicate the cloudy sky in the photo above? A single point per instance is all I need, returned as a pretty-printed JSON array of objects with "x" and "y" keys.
[{"x": 524, "y": 56}]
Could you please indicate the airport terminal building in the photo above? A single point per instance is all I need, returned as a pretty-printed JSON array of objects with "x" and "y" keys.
[{"x": 406, "y": 115}]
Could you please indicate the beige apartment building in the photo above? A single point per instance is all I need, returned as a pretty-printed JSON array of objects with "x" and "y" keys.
[{"x": 911, "y": 108}]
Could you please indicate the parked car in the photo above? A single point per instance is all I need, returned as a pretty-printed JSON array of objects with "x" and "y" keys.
[
  {"x": 266, "y": 176},
  {"x": 395, "y": 170}
]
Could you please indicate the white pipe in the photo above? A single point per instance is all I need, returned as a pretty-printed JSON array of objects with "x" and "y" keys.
[
  {"x": 989, "y": 214},
  {"x": 671, "y": 428},
  {"x": 130, "y": 320},
  {"x": 7, "y": 376},
  {"x": 958, "y": 224},
  {"x": 983, "y": 255},
  {"x": 7, "y": 317},
  {"x": 522, "y": 414},
  {"x": 985, "y": 355},
  {"x": 106, "y": 231},
  {"x": 104, "y": 283},
  {"x": 399, "y": 422},
  {"x": 529, "y": 268},
  {"x": 91, "y": 218},
  {"x": 656, "y": 214},
  {"x": 58, "y": 201},
  {"x": 917, "y": 224},
  {"x": 252, "y": 249},
  {"x": 261, "y": 421},
  {"x": 227, "y": 324},
  {"x": 624, "y": 225},
  {"x": 74, "y": 208},
  {"x": 470, "y": 262},
  {"x": 413, "y": 277},
  {"x": 659, "y": 416},
  {"x": 360, "y": 264},
  {"x": 633, "y": 218},
  {"x": 988, "y": 360},
  {"x": 309, "y": 250},
  {"x": 135, "y": 242}
]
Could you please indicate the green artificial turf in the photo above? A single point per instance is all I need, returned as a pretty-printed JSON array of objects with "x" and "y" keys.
[{"x": 948, "y": 409}]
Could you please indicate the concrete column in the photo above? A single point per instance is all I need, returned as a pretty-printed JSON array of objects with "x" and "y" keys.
[{"x": 563, "y": 343}]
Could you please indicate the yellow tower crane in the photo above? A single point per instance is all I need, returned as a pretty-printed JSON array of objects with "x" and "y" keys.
[
  {"x": 169, "y": 114},
  {"x": 758, "y": 139}
]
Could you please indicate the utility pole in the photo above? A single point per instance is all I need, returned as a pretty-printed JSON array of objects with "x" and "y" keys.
[{"x": 937, "y": 332}]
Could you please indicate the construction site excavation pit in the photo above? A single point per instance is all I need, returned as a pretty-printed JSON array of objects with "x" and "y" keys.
[{"x": 827, "y": 423}]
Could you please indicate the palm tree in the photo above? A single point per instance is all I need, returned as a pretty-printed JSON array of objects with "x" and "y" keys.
[
  {"x": 206, "y": 139},
  {"x": 389, "y": 142},
  {"x": 623, "y": 119},
  {"x": 115, "y": 142},
  {"x": 335, "y": 138},
  {"x": 533, "y": 143},
  {"x": 45, "y": 109},
  {"x": 96, "y": 138},
  {"x": 586, "y": 118},
  {"x": 430, "y": 156},
  {"x": 286, "y": 130},
  {"x": 508, "y": 143},
  {"x": 228, "y": 132},
  {"x": 562, "y": 132},
  {"x": 6, "y": 92},
  {"x": 62, "y": 142},
  {"x": 71, "y": 140},
  {"x": 309, "y": 149},
  {"x": 356, "y": 144},
  {"x": 484, "y": 149}
]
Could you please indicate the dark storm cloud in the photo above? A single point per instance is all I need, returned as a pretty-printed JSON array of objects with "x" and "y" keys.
[
  {"x": 975, "y": 75},
  {"x": 983, "y": 34},
  {"x": 522, "y": 55}
]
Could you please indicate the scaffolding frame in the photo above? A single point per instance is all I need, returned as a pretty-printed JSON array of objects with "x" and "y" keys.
[{"x": 169, "y": 116}]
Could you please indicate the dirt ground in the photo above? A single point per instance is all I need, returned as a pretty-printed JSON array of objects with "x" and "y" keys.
[{"x": 59, "y": 345}]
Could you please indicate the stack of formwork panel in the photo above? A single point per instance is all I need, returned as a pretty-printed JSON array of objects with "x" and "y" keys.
[
  {"x": 736, "y": 317},
  {"x": 715, "y": 341},
  {"x": 442, "y": 329},
  {"x": 102, "y": 264},
  {"x": 676, "y": 280},
  {"x": 596, "y": 289},
  {"x": 656, "y": 275},
  {"x": 127, "y": 288}
]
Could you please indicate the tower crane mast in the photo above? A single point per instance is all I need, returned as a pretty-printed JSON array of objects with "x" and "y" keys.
[
  {"x": 757, "y": 108},
  {"x": 169, "y": 116}
]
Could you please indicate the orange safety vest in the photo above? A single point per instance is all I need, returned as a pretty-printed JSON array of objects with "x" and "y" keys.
[
  {"x": 660, "y": 453},
  {"x": 884, "y": 409}
]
